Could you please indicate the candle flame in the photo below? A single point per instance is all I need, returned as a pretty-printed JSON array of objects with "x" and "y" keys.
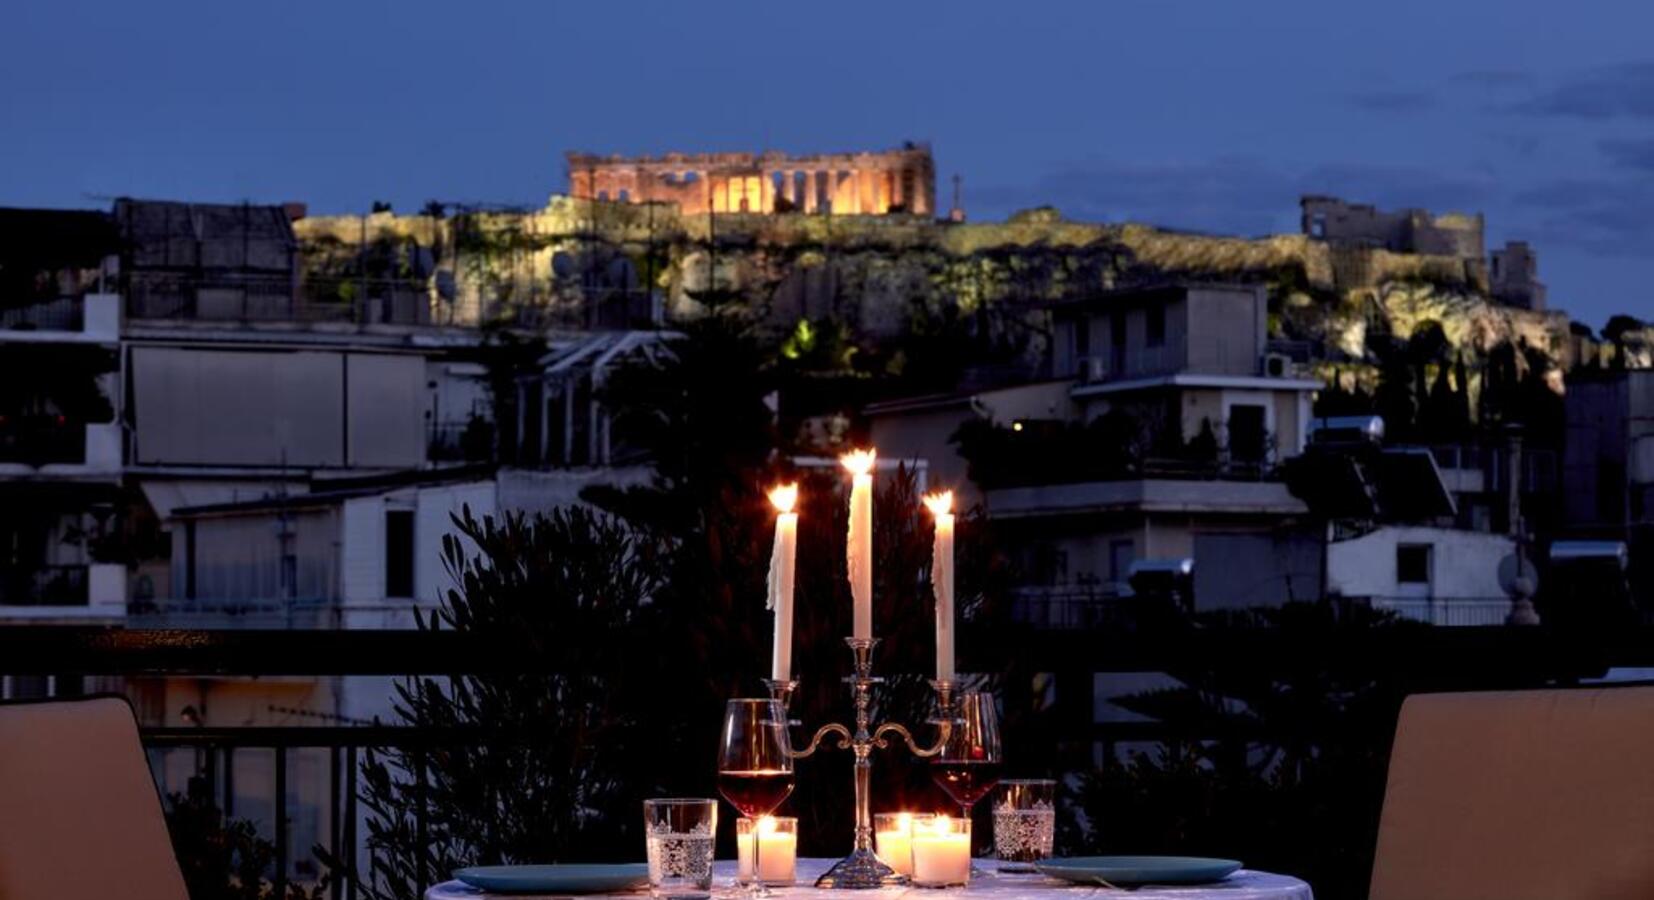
[
  {"x": 940, "y": 503},
  {"x": 767, "y": 825},
  {"x": 859, "y": 462},
  {"x": 931, "y": 824},
  {"x": 783, "y": 496},
  {"x": 904, "y": 821}
]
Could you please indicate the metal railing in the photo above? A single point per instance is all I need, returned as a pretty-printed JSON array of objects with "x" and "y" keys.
[
  {"x": 1452, "y": 611},
  {"x": 57, "y": 585},
  {"x": 37, "y": 441},
  {"x": 214, "y": 613},
  {"x": 1067, "y": 607},
  {"x": 367, "y": 301},
  {"x": 61, "y": 314},
  {"x": 461, "y": 442},
  {"x": 1454, "y": 656}
]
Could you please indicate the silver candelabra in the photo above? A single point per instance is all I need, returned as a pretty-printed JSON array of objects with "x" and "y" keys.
[{"x": 862, "y": 869}]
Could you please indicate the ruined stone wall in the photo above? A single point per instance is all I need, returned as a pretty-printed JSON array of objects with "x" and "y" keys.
[{"x": 1405, "y": 231}]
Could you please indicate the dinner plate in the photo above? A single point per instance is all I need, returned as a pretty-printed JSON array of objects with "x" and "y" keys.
[
  {"x": 555, "y": 879},
  {"x": 1139, "y": 869}
]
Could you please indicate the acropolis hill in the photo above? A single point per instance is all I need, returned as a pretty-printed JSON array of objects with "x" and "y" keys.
[{"x": 794, "y": 254}]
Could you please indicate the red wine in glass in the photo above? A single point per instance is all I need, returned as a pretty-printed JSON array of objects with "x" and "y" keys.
[
  {"x": 755, "y": 793},
  {"x": 965, "y": 780}
]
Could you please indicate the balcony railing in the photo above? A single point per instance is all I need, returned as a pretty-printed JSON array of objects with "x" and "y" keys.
[
  {"x": 1454, "y": 611},
  {"x": 234, "y": 614},
  {"x": 44, "y": 586},
  {"x": 1067, "y": 608},
  {"x": 61, "y": 314},
  {"x": 1419, "y": 658},
  {"x": 461, "y": 442},
  {"x": 42, "y": 441},
  {"x": 382, "y": 301}
]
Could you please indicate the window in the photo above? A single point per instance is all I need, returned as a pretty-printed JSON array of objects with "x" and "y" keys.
[
  {"x": 1157, "y": 326},
  {"x": 1121, "y": 553},
  {"x": 1413, "y": 564},
  {"x": 1117, "y": 343},
  {"x": 1318, "y": 225},
  {"x": 1248, "y": 432},
  {"x": 399, "y": 553}
]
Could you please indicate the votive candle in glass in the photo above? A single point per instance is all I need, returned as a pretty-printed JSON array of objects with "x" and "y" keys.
[
  {"x": 777, "y": 838},
  {"x": 893, "y": 839},
  {"x": 942, "y": 852}
]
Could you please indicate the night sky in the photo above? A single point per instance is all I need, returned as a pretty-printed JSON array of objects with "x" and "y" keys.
[{"x": 1207, "y": 116}]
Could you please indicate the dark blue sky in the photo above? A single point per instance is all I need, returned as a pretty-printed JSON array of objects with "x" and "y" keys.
[{"x": 1211, "y": 116}]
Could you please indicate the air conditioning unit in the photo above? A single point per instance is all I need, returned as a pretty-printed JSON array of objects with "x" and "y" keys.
[{"x": 1277, "y": 365}]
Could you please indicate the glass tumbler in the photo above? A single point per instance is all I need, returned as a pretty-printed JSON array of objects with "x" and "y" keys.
[
  {"x": 1025, "y": 822},
  {"x": 678, "y": 838}
]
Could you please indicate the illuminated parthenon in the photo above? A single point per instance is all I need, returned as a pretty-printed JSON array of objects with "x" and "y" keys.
[{"x": 890, "y": 181}]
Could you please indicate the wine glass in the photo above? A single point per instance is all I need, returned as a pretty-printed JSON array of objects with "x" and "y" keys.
[
  {"x": 968, "y": 766},
  {"x": 755, "y": 765}
]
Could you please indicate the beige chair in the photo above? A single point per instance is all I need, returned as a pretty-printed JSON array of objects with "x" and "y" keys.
[
  {"x": 1522, "y": 794},
  {"x": 79, "y": 815}
]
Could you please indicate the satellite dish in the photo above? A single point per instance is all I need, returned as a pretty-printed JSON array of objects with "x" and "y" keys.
[{"x": 1512, "y": 568}]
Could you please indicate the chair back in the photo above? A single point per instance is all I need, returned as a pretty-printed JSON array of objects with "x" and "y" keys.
[
  {"x": 79, "y": 815},
  {"x": 1520, "y": 794}
]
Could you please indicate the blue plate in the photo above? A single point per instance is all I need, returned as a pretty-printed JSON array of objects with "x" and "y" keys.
[
  {"x": 573, "y": 879},
  {"x": 1125, "y": 870}
]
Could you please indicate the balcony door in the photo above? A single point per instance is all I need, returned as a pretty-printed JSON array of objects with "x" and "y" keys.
[{"x": 1248, "y": 433}]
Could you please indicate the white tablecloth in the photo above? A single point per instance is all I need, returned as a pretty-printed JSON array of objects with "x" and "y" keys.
[{"x": 1243, "y": 885}]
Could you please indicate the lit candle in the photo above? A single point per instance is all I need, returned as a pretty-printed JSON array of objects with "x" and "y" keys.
[
  {"x": 893, "y": 841},
  {"x": 859, "y": 547},
  {"x": 941, "y": 580},
  {"x": 777, "y": 850},
  {"x": 942, "y": 851},
  {"x": 781, "y": 579}
]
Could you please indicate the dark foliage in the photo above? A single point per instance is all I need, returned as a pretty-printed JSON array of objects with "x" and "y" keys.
[
  {"x": 1296, "y": 787},
  {"x": 548, "y": 759},
  {"x": 223, "y": 859}
]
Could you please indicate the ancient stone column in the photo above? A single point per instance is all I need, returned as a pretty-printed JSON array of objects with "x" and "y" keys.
[
  {"x": 766, "y": 192},
  {"x": 809, "y": 191},
  {"x": 897, "y": 195}
]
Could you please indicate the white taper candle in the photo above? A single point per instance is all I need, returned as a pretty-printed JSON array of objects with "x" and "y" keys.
[
  {"x": 859, "y": 546},
  {"x": 782, "y": 567}
]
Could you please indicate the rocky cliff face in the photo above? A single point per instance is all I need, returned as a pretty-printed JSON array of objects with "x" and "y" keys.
[{"x": 549, "y": 267}]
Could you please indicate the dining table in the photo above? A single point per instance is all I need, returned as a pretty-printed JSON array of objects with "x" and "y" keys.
[{"x": 991, "y": 884}]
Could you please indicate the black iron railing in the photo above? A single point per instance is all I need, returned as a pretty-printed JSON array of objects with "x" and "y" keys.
[
  {"x": 42, "y": 440},
  {"x": 1472, "y": 656},
  {"x": 59, "y": 314},
  {"x": 43, "y": 586}
]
